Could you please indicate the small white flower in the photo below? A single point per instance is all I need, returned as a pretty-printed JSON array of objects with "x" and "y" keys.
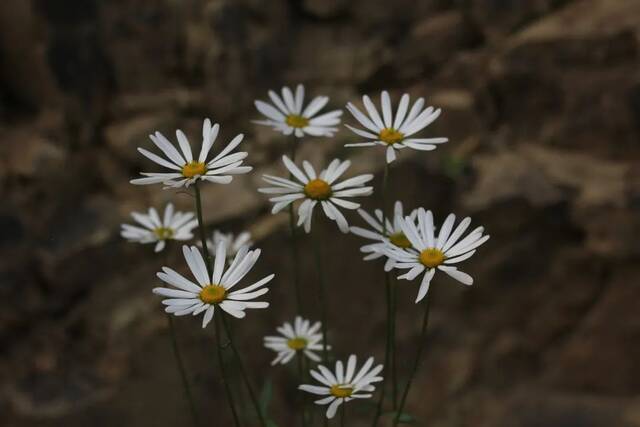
[
  {"x": 300, "y": 337},
  {"x": 212, "y": 291},
  {"x": 185, "y": 169},
  {"x": 232, "y": 243},
  {"x": 341, "y": 386},
  {"x": 173, "y": 226},
  {"x": 394, "y": 133},
  {"x": 392, "y": 234},
  {"x": 430, "y": 252},
  {"x": 287, "y": 116},
  {"x": 316, "y": 189}
]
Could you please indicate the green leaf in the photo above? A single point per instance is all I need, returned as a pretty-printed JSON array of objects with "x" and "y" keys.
[
  {"x": 404, "y": 418},
  {"x": 271, "y": 423},
  {"x": 265, "y": 396}
]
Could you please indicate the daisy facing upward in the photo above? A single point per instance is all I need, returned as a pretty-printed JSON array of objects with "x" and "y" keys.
[
  {"x": 395, "y": 133},
  {"x": 319, "y": 188},
  {"x": 299, "y": 338},
  {"x": 185, "y": 169},
  {"x": 152, "y": 229},
  {"x": 286, "y": 114}
]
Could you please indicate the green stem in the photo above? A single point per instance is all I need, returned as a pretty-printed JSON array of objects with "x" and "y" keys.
[
  {"x": 416, "y": 364},
  {"x": 317, "y": 251},
  {"x": 301, "y": 379},
  {"x": 243, "y": 372},
  {"x": 182, "y": 371},
  {"x": 225, "y": 377},
  {"x": 295, "y": 256},
  {"x": 342, "y": 414},
  {"x": 202, "y": 228}
]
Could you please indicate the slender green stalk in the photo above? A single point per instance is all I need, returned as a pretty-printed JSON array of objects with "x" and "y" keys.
[
  {"x": 343, "y": 416},
  {"x": 317, "y": 251},
  {"x": 243, "y": 372},
  {"x": 295, "y": 256},
  {"x": 416, "y": 364},
  {"x": 301, "y": 379},
  {"x": 201, "y": 227},
  {"x": 225, "y": 377}
]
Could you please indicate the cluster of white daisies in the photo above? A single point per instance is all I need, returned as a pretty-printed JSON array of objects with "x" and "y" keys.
[{"x": 408, "y": 241}]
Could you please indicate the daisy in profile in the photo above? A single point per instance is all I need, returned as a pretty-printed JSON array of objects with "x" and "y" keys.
[
  {"x": 317, "y": 188},
  {"x": 397, "y": 132},
  {"x": 185, "y": 169},
  {"x": 287, "y": 115},
  {"x": 231, "y": 242},
  {"x": 392, "y": 234},
  {"x": 430, "y": 252},
  {"x": 213, "y": 291},
  {"x": 343, "y": 385},
  {"x": 152, "y": 229},
  {"x": 300, "y": 338}
]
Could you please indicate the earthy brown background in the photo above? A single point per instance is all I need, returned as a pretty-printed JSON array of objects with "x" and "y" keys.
[{"x": 541, "y": 103}]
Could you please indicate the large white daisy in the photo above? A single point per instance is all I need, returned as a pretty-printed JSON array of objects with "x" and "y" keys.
[
  {"x": 301, "y": 337},
  {"x": 343, "y": 385},
  {"x": 172, "y": 226},
  {"x": 317, "y": 188},
  {"x": 211, "y": 291},
  {"x": 185, "y": 170},
  {"x": 430, "y": 252},
  {"x": 287, "y": 115},
  {"x": 381, "y": 236},
  {"x": 231, "y": 242},
  {"x": 397, "y": 132}
]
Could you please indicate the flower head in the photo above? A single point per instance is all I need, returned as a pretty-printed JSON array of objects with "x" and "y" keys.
[
  {"x": 430, "y": 252},
  {"x": 232, "y": 243},
  {"x": 391, "y": 233},
  {"x": 185, "y": 169},
  {"x": 215, "y": 289},
  {"x": 317, "y": 188},
  {"x": 342, "y": 386},
  {"x": 286, "y": 115},
  {"x": 172, "y": 226},
  {"x": 299, "y": 338},
  {"x": 395, "y": 133}
]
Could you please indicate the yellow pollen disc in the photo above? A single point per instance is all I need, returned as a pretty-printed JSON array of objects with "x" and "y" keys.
[
  {"x": 341, "y": 392},
  {"x": 212, "y": 294},
  {"x": 297, "y": 343},
  {"x": 390, "y": 136},
  {"x": 431, "y": 257},
  {"x": 163, "y": 233},
  {"x": 193, "y": 169},
  {"x": 296, "y": 121},
  {"x": 400, "y": 240},
  {"x": 317, "y": 189}
]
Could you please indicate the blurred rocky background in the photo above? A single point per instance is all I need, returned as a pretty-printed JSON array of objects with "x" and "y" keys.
[{"x": 541, "y": 103}]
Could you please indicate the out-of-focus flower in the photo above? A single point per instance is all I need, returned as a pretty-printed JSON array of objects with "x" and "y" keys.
[
  {"x": 299, "y": 337},
  {"x": 172, "y": 226}
]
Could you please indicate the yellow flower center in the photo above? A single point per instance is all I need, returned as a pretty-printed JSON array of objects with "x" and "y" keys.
[
  {"x": 213, "y": 294},
  {"x": 163, "y": 233},
  {"x": 296, "y": 121},
  {"x": 390, "y": 136},
  {"x": 297, "y": 343},
  {"x": 193, "y": 168},
  {"x": 431, "y": 257},
  {"x": 400, "y": 240},
  {"x": 341, "y": 391},
  {"x": 317, "y": 189}
]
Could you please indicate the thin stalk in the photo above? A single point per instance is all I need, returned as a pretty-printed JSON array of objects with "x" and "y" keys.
[
  {"x": 387, "y": 351},
  {"x": 343, "y": 414},
  {"x": 201, "y": 227},
  {"x": 225, "y": 377},
  {"x": 416, "y": 364},
  {"x": 301, "y": 380},
  {"x": 317, "y": 251},
  {"x": 295, "y": 256},
  {"x": 243, "y": 372}
]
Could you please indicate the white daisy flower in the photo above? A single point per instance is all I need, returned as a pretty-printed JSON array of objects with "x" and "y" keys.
[
  {"x": 232, "y": 243},
  {"x": 394, "y": 133},
  {"x": 211, "y": 291},
  {"x": 301, "y": 337},
  {"x": 392, "y": 234},
  {"x": 430, "y": 252},
  {"x": 185, "y": 170},
  {"x": 172, "y": 226},
  {"x": 343, "y": 386},
  {"x": 287, "y": 116},
  {"x": 314, "y": 189}
]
